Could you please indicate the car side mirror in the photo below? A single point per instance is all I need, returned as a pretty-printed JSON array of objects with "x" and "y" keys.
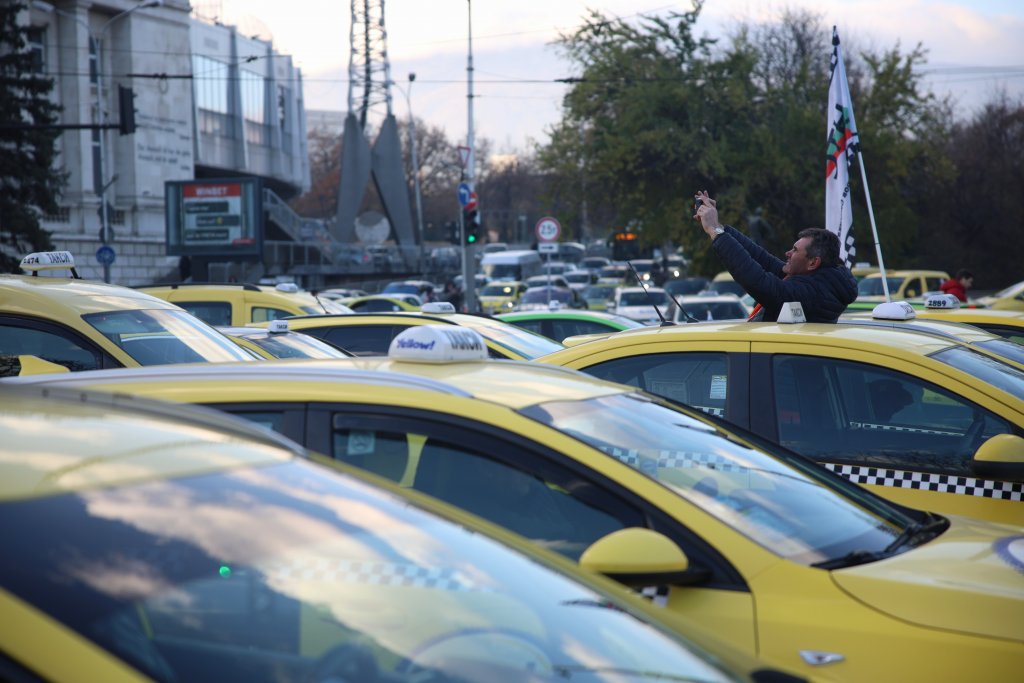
[
  {"x": 1002, "y": 456},
  {"x": 640, "y": 557}
]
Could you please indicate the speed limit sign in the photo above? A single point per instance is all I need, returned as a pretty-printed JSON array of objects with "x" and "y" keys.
[{"x": 548, "y": 229}]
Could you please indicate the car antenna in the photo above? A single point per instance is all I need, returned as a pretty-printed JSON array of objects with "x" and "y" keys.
[
  {"x": 664, "y": 322},
  {"x": 316, "y": 295}
]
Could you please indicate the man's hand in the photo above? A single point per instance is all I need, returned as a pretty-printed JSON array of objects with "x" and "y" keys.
[{"x": 707, "y": 213}]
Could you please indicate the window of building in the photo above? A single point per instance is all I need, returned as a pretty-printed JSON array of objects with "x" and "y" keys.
[
  {"x": 37, "y": 48},
  {"x": 210, "y": 84},
  {"x": 254, "y": 112}
]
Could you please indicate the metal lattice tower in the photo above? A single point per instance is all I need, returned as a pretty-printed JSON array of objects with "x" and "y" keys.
[
  {"x": 369, "y": 87},
  {"x": 369, "y": 72}
]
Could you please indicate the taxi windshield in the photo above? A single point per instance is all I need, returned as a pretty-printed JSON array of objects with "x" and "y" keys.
[
  {"x": 498, "y": 290},
  {"x": 986, "y": 368},
  {"x": 526, "y": 344},
  {"x": 290, "y": 574},
  {"x": 789, "y": 505},
  {"x": 296, "y": 345},
  {"x": 872, "y": 286},
  {"x": 161, "y": 336}
]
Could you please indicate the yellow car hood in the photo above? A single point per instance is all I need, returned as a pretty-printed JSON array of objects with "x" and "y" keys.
[{"x": 970, "y": 579}]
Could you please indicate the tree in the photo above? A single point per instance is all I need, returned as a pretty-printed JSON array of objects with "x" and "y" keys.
[{"x": 29, "y": 182}]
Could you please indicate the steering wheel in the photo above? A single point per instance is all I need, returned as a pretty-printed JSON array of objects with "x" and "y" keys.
[
  {"x": 344, "y": 663},
  {"x": 971, "y": 439},
  {"x": 481, "y": 654}
]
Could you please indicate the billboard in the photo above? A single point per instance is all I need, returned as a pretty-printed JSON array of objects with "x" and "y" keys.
[{"x": 215, "y": 217}]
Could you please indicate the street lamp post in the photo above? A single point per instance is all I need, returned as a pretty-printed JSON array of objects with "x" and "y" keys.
[
  {"x": 415, "y": 163},
  {"x": 95, "y": 47}
]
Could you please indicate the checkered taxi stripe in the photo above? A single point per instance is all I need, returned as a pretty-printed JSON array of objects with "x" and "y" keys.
[
  {"x": 658, "y": 595},
  {"x": 674, "y": 459},
  {"x": 371, "y": 573},
  {"x": 923, "y": 481}
]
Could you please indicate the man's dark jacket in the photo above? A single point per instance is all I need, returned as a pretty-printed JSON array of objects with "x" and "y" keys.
[{"x": 824, "y": 293}]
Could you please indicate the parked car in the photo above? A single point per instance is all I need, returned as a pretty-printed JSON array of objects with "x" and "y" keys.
[
  {"x": 563, "y": 323},
  {"x": 1011, "y": 298},
  {"x": 902, "y": 284},
  {"x": 648, "y": 305},
  {"x": 500, "y": 297},
  {"x": 226, "y": 304},
  {"x": 710, "y": 306}
]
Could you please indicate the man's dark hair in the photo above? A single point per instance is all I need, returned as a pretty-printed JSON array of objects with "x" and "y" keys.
[
  {"x": 962, "y": 273},
  {"x": 824, "y": 245}
]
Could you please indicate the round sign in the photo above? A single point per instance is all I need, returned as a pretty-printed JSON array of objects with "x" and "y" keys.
[
  {"x": 105, "y": 255},
  {"x": 548, "y": 229}
]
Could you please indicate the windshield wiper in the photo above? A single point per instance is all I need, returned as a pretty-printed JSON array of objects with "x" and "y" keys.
[
  {"x": 910, "y": 532},
  {"x": 913, "y": 530}
]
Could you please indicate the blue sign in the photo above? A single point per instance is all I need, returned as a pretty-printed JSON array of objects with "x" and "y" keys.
[
  {"x": 105, "y": 255},
  {"x": 464, "y": 194}
]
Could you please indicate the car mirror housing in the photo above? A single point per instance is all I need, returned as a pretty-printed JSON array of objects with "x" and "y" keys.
[
  {"x": 1001, "y": 456},
  {"x": 639, "y": 557}
]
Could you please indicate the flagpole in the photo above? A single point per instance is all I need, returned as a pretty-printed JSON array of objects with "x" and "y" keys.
[{"x": 874, "y": 228}]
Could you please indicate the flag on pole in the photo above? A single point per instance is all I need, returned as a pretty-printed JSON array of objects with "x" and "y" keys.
[{"x": 843, "y": 148}]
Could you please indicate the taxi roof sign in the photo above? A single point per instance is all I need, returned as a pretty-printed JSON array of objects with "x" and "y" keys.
[
  {"x": 894, "y": 310},
  {"x": 278, "y": 326},
  {"x": 49, "y": 260},
  {"x": 287, "y": 287},
  {"x": 438, "y": 307},
  {"x": 942, "y": 301},
  {"x": 438, "y": 344},
  {"x": 792, "y": 312}
]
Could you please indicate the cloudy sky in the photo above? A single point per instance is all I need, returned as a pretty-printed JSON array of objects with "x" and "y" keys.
[{"x": 975, "y": 48}]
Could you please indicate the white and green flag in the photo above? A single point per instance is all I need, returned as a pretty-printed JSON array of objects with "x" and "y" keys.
[{"x": 842, "y": 151}]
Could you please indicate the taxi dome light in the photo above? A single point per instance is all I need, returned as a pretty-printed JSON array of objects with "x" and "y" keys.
[
  {"x": 287, "y": 287},
  {"x": 48, "y": 260},
  {"x": 554, "y": 305},
  {"x": 438, "y": 307},
  {"x": 942, "y": 301},
  {"x": 278, "y": 326},
  {"x": 894, "y": 310},
  {"x": 792, "y": 312},
  {"x": 438, "y": 344}
]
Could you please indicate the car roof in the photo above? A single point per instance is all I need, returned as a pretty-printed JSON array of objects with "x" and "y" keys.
[
  {"x": 902, "y": 341},
  {"x": 511, "y": 384},
  {"x": 51, "y": 296}
]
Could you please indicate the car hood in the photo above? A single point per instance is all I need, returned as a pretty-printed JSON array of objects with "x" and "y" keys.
[{"x": 970, "y": 579}]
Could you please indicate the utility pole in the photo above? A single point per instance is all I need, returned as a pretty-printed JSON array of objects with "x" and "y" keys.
[{"x": 468, "y": 251}]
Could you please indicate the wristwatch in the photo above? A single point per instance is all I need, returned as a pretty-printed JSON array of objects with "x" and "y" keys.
[{"x": 718, "y": 231}]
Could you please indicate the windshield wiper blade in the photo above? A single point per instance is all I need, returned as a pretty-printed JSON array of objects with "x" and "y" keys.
[{"x": 910, "y": 532}]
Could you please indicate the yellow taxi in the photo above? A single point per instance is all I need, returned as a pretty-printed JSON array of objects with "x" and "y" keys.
[
  {"x": 1009, "y": 299},
  {"x": 907, "y": 413},
  {"x": 278, "y": 341},
  {"x": 996, "y": 333},
  {"x": 150, "y": 542},
  {"x": 380, "y": 303},
  {"x": 903, "y": 284},
  {"x": 223, "y": 305},
  {"x": 500, "y": 296},
  {"x": 370, "y": 334},
  {"x": 83, "y": 325},
  {"x": 759, "y": 545}
]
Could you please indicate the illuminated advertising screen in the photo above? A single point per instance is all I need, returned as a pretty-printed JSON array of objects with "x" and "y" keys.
[{"x": 214, "y": 217}]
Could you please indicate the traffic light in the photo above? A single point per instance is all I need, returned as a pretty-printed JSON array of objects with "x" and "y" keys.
[
  {"x": 471, "y": 222},
  {"x": 125, "y": 110}
]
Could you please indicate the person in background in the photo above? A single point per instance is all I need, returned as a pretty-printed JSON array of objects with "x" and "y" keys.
[
  {"x": 452, "y": 295},
  {"x": 811, "y": 274},
  {"x": 958, "y": 285}
]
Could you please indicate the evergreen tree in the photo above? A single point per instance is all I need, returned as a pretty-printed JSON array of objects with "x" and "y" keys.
[{"x": 29, "y": 182}]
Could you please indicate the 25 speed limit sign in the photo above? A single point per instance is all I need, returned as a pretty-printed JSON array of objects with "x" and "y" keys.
[{"x": 548, "y": 229}]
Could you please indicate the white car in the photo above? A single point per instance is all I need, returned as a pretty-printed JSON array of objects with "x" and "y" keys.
[
  {"x": 547, "y": 281},
  {"x": 642, "y": 304},
  {"x": 580, "y": 279},
  {"x": 711, "y": 306}
]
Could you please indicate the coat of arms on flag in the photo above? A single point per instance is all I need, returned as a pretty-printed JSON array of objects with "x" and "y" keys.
[{"x": 843, "y": 145}]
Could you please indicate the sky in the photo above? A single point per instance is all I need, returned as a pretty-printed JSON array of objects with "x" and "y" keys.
[{"x": 975, "y": 48}]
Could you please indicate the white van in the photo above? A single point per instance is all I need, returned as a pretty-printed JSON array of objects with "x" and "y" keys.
[{"x": 511, "y": 265}]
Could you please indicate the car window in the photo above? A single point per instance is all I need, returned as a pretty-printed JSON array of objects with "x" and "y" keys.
[
  {"x": 160, "y": 336},
  {"x": 857, "y": 413},
  {"x": 535, "y": 326},
  {"x": 54, "y": 344},
  {"x": 699, "y": 380},
  {"x": 486, "y": 475},
  {"x": 1012, "y": 332},
  {"x": 216, "y": 313},
  {"x": 262, "y": 314},
  {"x": 568, "y": 328},
  {"x": 362, "y": 340}
]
